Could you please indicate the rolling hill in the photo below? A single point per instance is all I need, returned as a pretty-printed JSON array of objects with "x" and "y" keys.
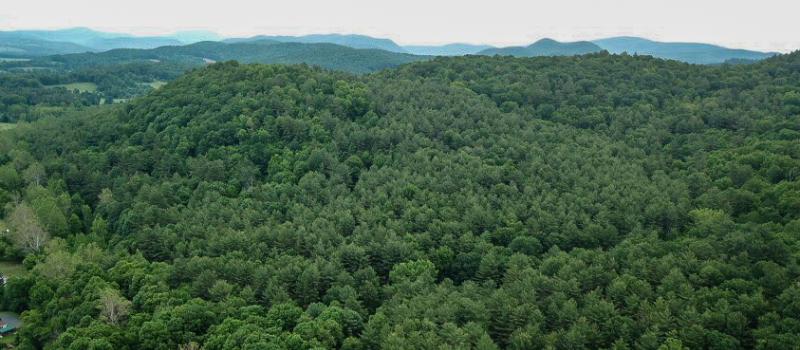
[
  {"x": 545, "y": 47},
  {"x": 79, "y": 35},
  {"x": 74, "y": 40},
  {"x": 195, "y": 36},
  {"x": 687, "y": 52},
  {"x": 457, "y": 49},
  {"x": 349, "y": 40},
  {"x": 12, "y": 45},
  {"x": 121, "y": 74},
  {"x": 329, "y": 56},
  {"x": 130, "y": 42},
  {"x": 31, "y": 43}
]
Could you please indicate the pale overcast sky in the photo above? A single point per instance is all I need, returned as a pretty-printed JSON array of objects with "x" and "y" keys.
[{"x": 762, "y": 25}]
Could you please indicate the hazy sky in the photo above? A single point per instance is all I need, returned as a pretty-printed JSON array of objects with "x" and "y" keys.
[{"x": 762, "y": 24}]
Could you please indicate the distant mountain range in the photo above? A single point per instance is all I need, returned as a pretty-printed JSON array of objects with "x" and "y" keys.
[
  {"x": 331, "y": 56},
  {"x": 545, "y": 47},
  {"x": 457, "y": 49},
  {"x": 12, "y": 45},
  {"x": 351, "y": 40},
  {"x": 32, "y": 43},
  {"x": 105, "y": 44},
  {"x": 686, "y": 52},
  {"x": 79, "y": 36},
  {"x": 368, "y": 42},
  {"x": 195, "y": 36}
]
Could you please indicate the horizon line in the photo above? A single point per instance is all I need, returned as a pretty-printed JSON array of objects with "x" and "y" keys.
[{"x": 222, "y": 37}]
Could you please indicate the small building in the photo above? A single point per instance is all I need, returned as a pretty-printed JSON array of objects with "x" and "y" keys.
[
  {"x": 9, "y": 323},
  {"x": 6, "y": 328}
]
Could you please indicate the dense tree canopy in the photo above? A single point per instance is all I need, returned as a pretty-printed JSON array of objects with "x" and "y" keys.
[
  {"x": 24, "y": 97},
  {"x": 591, "y": 202},
  {"x": 32, "y": 89}
]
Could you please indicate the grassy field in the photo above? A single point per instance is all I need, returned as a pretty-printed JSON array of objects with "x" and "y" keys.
[
  {"x": 8, "y": 340},
  {"x": 157, "y": 84},
  {"x": 12, "y": 269},
  {"x": 32, "y": 69},
  {"x": 5, "y": 59},
  {"x": 7, "y": 126},
  {"x": 82, "y": 87},
  {"x": 104, "y": 101}
]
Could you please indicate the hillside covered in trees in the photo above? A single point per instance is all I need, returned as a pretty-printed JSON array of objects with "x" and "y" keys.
[
  {"x": 349, "y": 40},
  {"x": 698, "y": 53},
  {"x": 331, "y": 56},
  {"x": 590, "y": 202},
  {"x": 32, "y": 43},
  {"x": 44, "y": 86},
  {"x": 545, "y": 47}
]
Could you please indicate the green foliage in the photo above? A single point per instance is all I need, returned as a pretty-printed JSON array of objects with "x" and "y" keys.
[
  {"x": 24, "y": 96},
  {"x": 590, "y": 202}
]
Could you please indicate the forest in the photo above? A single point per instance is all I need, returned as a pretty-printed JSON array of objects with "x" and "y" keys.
[
  {"x": 28, "y": 95},
  {"x": 587, "y": 202},
  {"x": 31, "y": 89}
]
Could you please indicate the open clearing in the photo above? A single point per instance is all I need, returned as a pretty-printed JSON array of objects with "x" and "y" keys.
[
  {"x": 8, "y": 340},
  {"x": 31, "y": 69},
  {"x": 12, "y": 269},
  {"x": 6, "y": 59},
  {"x": 157, "y": 84},
  {"x": 82, "y": 87},
  {"x": 7, "y": 126}
]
